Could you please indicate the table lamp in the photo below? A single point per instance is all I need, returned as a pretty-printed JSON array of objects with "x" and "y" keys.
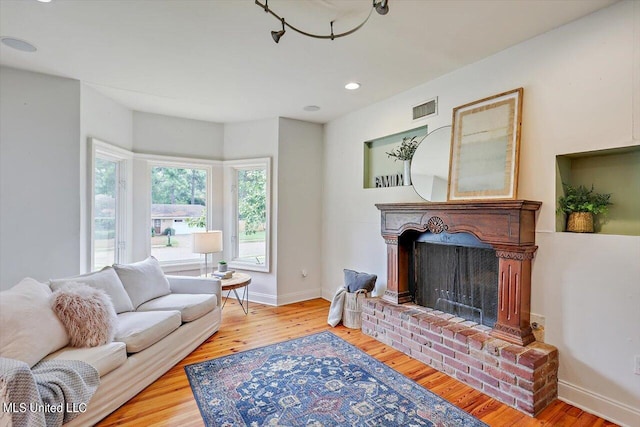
[{"x": 207, "y": 242}]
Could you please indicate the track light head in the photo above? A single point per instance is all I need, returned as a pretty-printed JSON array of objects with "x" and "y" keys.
[
  {"x": 276, "y": 35},
  {"x": 382, "y": 7}
]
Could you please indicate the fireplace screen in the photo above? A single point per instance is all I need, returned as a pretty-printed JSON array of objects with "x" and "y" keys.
[{"x": 461, "y": 280}]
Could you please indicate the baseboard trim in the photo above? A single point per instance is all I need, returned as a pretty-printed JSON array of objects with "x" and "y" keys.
[
  {"x": 260, "y": 298},
  {"x": 299, "y": 296},
  {"x": 597, "y": 404}
]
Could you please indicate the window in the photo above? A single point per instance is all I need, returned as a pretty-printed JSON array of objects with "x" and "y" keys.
[
  {"x": 179, "y": 198},
  {"x": 250, "y": 225},
  {"x": 109, "y": 185}
]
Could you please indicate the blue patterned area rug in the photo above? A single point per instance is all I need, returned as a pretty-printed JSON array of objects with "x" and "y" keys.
[{"x": 318, "y": 380}]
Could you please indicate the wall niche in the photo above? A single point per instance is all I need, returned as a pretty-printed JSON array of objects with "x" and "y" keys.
[{"x": 615, "y": 171}]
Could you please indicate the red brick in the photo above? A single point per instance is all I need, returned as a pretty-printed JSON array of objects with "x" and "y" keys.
[
  {"x": 422, "y": 357},
  {"x": 501, "y": 375},
  {"x": 443, "y": 350},
  {"x": 521, "y": 394},
  {"x": 421, "y": 340},
  {"x": 533, "y": 359},
  {"x": 463, "y": 335},
  {"x": 437, "y": 365},
  {"x": 494, "y": 346},
  {"x": 466, "y": 378},
  {"x": 500, "y": 395},
  {"x": 395, "y": 321},
  {"x": 394, "y": 336},
  {"x": 433, "y": 354},
  {"x": 386, "y": 325},
  {"x": 511, "y": 352},
  {"x": 449, "y": 370},
  {"x": 469, "y": 360},
  {"x": 531, "y": 385},
  {"x": 478, "y": 341},
  {"x": 450, "y": 330},
  {"x": 404, "y": 332},
  {"x": 486, "y": 379},
  {"x": 400, "y": 347},
  {"x": 519, "y": 371},
  {"x": 412, "y": 344},
  {"x": 456, "y": 364},
  {"x": 486, "y": 358},
  {"x": 462, "y": 348},
  {"x": 437, "y": 325},
  {"x": 433, "y": 337}
]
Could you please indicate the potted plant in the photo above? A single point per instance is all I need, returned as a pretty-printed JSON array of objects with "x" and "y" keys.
[
  {"x": 222, "y": 266},
  {"x": 581, "y": 204},
  {"x": 405, "y": 152}
]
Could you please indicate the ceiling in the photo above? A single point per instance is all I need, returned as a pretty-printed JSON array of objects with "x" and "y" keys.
[{"x": 215, "y": 60}]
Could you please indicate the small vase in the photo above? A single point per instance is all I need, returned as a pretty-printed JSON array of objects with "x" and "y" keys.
[
  {"x": 580, "y": 222},
  {"x": 406, "y": 176},
  {"x": 222, "y": 268}
]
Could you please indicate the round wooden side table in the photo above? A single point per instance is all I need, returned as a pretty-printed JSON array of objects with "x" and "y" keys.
[{"x": 238, "y": 280}]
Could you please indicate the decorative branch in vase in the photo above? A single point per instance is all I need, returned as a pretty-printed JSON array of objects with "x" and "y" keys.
[{"x": 405, "y": 152}]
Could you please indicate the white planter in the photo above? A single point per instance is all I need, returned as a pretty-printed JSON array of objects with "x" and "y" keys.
[{"x": 406, "y": 176}]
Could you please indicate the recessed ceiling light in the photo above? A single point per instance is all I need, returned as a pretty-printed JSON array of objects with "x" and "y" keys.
[
  {"x": 352, "y": 86},
  {"x": 18, "y": 44},
  {"x": 44, "y": 1},
  {"x": 311, "y": 108}
]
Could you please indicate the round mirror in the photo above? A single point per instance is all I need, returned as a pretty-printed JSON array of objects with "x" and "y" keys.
[{"x": 430, "y": 165}]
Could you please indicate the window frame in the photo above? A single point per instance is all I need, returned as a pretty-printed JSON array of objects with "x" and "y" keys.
[
  {"x": 183, "y": 163},
  {"x": 231, "y": 169},
  {"x": 124, "y": 160}
]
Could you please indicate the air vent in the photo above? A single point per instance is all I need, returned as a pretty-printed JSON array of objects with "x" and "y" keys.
[{"x": 429, "y": 108}]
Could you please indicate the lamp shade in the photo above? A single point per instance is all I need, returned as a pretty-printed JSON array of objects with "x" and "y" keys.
[{"x": 207, "y": 242}]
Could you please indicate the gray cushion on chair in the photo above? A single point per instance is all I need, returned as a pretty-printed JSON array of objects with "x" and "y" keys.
[{"x": 354, "y": 280}]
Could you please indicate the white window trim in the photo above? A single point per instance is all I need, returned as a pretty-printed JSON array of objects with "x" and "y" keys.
[
  {"x": 124, "y": 158},
  {"x": 231, "y": 212},
  {"x": 154, "y": 160}
]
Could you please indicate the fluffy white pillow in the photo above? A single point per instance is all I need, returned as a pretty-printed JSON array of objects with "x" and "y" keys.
[
  {"x": 29, "y": 328},
  {"x": 87, "y": 314},
  {"x": 105, "y": 279},
  {"x": 143, "y": 280}
]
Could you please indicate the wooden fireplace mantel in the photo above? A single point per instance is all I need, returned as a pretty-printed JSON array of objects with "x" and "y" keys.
[{"x": 508, "y": 226}]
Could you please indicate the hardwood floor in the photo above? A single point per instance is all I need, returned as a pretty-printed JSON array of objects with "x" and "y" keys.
[{"x": 169, "y": 401}]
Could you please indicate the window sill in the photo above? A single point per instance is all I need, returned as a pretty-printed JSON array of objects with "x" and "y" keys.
[
  {"x": 180, "y": 266},
  {"x": 234, "y": 265}
]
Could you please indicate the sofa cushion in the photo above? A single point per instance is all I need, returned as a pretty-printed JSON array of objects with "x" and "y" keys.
[
  {"x": 105, "y": 358},
  {"x": 87, "y": 314},
  {"x": 29, "y": 329},
  {"x": 143, "y": 280},
  {"x": 105, "y": 279},
  {"x": 139, "y": 330},
  {"x": 190, "y": 306}
]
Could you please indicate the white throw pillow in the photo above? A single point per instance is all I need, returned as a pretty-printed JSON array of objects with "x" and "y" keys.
[
  {"x": 143, "y": 280},
  {"x": 30, "y": 329},
  {"x": 105, "y": 279}
]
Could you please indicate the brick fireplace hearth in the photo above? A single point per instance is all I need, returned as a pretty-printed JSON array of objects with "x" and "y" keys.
[{"x": 504, "y": 362}]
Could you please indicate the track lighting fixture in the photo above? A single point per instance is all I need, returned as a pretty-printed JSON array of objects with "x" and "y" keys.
[{"x": 381, "y": 6}]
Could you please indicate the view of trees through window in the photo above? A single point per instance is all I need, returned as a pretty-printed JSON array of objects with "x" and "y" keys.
[
  {"x": 104, "y": 212},
  {"x": 178, "y": 208},
  {"x": 252, "y": 215}
]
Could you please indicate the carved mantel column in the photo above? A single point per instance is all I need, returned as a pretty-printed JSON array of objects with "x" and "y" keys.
[
  {"x": 397, "y": 290},
  {"x": 514, "y": 295}
]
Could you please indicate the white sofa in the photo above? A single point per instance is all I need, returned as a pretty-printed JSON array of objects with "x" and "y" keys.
[{"x": 152, "y": 335}]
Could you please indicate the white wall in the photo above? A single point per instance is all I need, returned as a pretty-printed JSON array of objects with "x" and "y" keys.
[
  {"x": 175, "y": 136},
  {"x": 579, "y": 89},
  {"x": 300, "y": 210},
  {"x": 245, "y": 140},
  {"x": 39, "y": 176},
  {"x": 104, "y": 119}
]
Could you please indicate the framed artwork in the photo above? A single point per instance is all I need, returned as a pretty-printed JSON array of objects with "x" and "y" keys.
[{"x": 485, "y": 144}]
